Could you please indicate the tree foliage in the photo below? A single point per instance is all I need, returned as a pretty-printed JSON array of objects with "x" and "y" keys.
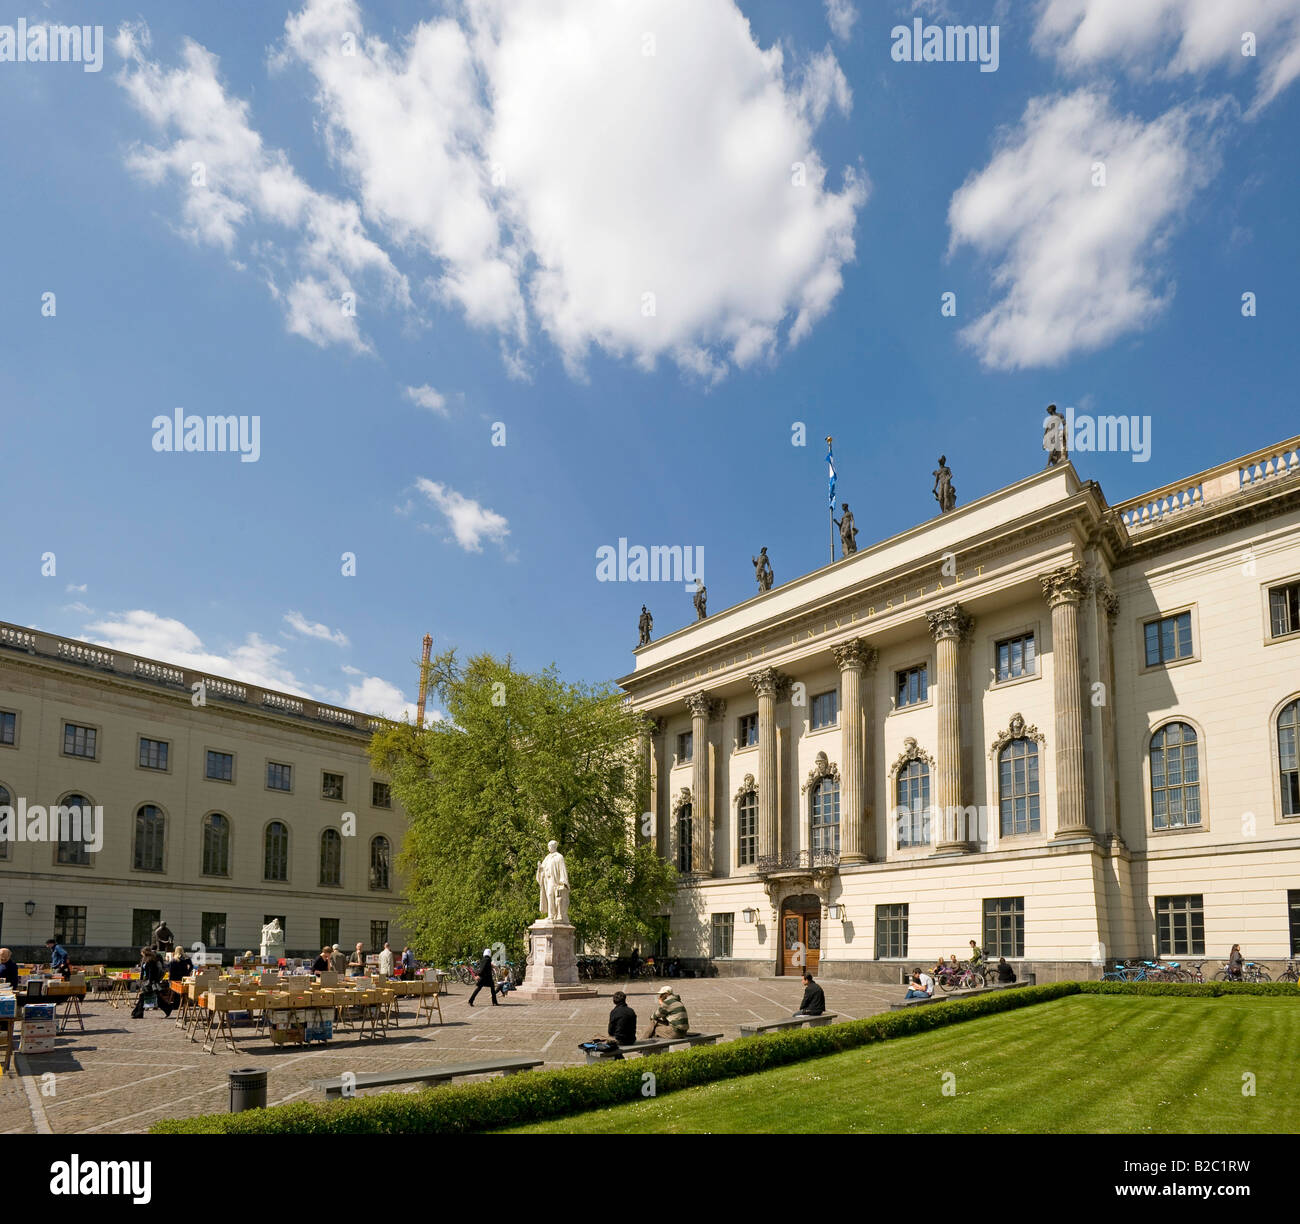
[{"x": 515, "y": 761}]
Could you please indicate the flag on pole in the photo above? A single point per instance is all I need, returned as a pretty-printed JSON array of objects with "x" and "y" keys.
[{"x": 830, "y": 464}]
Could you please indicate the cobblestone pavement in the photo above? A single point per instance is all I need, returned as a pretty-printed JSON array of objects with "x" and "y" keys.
[{"x": 121, "y": 1075}]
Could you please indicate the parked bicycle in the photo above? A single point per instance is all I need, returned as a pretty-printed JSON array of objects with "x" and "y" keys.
[
  {"x": 1291, "y": 973},
  {"x": 964, "y": 977},
  {"x": 1250, "y": 972}
]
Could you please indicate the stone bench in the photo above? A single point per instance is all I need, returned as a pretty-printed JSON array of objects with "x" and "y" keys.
[
  {"x": 430, "y": 1077},
  {"x": 654, "y": 1045},
  {"x": 790, "y": 1022},
  {"x": 1027, "y": 980}
]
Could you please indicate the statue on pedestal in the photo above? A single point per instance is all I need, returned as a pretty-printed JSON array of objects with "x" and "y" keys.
[
  {"x": 162, "y": 938},
  {"x": 701, "y": 600},
  {"x": 945, "y": 492},
  {"x": 848, "y": 532},
  {"x": 645, "y": 625},
  {"x": 553, "y": 879},
  {"x": 763, "y": 571},
  {"x": 272, "y": 940},
  {"x": 1054, "y": 440}
]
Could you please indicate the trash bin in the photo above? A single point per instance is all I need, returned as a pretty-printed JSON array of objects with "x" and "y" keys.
[{"x": 247, "y": 1089}]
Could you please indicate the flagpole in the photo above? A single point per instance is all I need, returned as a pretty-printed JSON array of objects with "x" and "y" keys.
[{"x": 830, "y": 509}]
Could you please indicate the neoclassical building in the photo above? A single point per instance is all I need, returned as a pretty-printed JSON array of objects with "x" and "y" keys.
[
  {"x": 223, "y": 805},
  {"x": 1063, "y": 728}
]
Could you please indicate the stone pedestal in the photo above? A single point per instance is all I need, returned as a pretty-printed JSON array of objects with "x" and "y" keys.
[{"x": 552, "y": 967}]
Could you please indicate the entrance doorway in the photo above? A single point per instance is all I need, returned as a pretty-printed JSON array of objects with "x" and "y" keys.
[{"x": 801, "y": 934}]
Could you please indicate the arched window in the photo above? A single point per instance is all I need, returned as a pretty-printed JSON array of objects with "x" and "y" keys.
[
  {"x": 1288, "y": 757},
  {"x": 685, "y": 833},
  {"x": 331, "y": 857},
  {"x": 826, "y": 817},
  {"x": 216, "y": 844},
  {"x": 276, "y": 860},
  {"x": 1018, "y": 787},
  {"x": 71, "y": 830},
  {"x": 149, "y": 832},
  {"x": 1175, "y": 778},
  {"x": 913, "y": 804},
  {"x": 747, "y": 829},
  {"x": 379, "y": 862},
  {"x": 7, "y": 800}
]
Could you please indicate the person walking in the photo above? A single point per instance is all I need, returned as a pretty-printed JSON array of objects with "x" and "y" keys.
[
  {"x": 485, "y": 978},
  {"x": 976, "y": 955},
  {"x": 151, "y": 986},
  {"x": 179, "y": 967},
  {"x": 1235, "y": 962}
]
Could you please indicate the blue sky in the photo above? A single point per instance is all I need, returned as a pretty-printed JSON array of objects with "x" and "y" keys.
[{"x": 499, "y": 186}]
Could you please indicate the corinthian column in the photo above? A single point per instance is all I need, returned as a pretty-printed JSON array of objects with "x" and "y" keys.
[
  {"x": 702, "y": 708},
  {"x": 766, "y": 684},
  {"x": 949, "y": 627},
  {"x": 1063, "y": 589},
  {"x": 853, "y": 658}
]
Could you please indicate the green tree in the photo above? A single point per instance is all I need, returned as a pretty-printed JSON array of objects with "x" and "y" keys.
[{"x": 517, "y": 760}]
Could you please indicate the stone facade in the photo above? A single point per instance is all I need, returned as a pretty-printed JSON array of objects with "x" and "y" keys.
[
  {"x": 48, "y": 683},
  {"x": 1075, "y": 867}
]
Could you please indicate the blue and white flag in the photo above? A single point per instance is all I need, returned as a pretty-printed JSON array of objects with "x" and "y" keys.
[{"x": 830, "y": 464}]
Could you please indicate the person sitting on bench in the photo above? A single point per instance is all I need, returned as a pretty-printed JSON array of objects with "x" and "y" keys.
[
  {"x": 921, "y": 986},
  {"x": 671, "y": 1011},
  {"x": 1005, "y": 972},
  {"x": 813, "y": 1002}
]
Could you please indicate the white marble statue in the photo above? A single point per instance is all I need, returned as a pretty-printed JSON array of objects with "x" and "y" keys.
[
  {"x": 272, "y": 940},
  {"x": 553, "y": 878}
]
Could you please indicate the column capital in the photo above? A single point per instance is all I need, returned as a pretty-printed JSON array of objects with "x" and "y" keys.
[
  {"x": 1063, "y": 586},
  {"x": 705, "y": 705},
  {"x": 855, "y": 653},
  {"x": 952, "y": 622},
  {"x": 1106, "y": 596},
  {"x": 769, "y": 682},
  {"x": 651, "y": 724}
]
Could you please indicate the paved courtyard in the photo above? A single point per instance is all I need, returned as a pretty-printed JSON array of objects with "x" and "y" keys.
[{"x": 123, "y": 1075}]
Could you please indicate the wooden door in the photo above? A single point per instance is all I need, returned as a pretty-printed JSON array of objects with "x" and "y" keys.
[{"x": 801, "y": 936}]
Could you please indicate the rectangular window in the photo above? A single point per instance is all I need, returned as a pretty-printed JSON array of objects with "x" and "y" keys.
[
  {"x": 747, "y": 830},
  {"x": 1168, "y": 639},
  {"x": 142, "y": 925},
  {"x": 329, "y": 932},
  {"x": 221, "y": 766},
  {"x": 1004, "y": 927},
  {"x": 331, "y": 786},
  {"x": 891, "y": 931},
  {"x": 747, "y": 731},
  {"x": 8, "y": 727},
  {"x": 1016, "y": 657},
  {"x": 153, "y": 753},
  {"x": 79, "y": 741},
  {"x": 378, "y": 935},
  {"x": 825, "y": 709},
  {"x": 279, "y": 777},
  {"x": 724, "y": 927},
  {"x": 1284, "y": 609},
  {"x": 212, "y": 930},
  {"x": 381, "y": 795},
  {"x": 1180, "y": 925},
  {"x": 1293, "y": 913},
  {"x": 70, "y": 925},
  {"x": 683, "y": 748},
  {"x": 911, "y": 687}
]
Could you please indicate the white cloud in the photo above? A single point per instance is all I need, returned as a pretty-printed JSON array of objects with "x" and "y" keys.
[
  {"x": 74, "y": 589},
  {"x": 558, "y": 174},
  {"x": 841, "y": 16},
  {"x": 255, "y": 661},
  {"x": 1078, "y": 265},
  {"x": 1175, "y": 37},
  {"x": 314, "y": 629},
  {"x": 470, "y": 522},
  {"x": 229, "y": 182},
  {"x": 427, "y": 397}
]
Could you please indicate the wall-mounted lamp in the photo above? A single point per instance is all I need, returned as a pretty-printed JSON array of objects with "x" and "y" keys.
[
  {"x": 836, "y": 912},
  {"x": 749, "y": 914},
  {"x": 29, "y": 908}
]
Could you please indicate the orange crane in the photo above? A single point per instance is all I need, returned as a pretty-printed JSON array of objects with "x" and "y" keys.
[{"x": 424, "y": 679}]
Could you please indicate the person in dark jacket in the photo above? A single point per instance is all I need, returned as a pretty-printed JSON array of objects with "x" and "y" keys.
[
  {"x": 622, "y": 1020},
  {"x": 485, "y": 978},
  {"x": 151, "y": 979},
  {"x": 59, "y": 959},
  {"x": 322, "y": 962},
  {"x": 814, "y": 998},
  {"x": 1235, "y": 962},
  {"x": 8, "y": 968},
  {"x": 180, "y": 966},
  {"x": 1005, "y": 972}
]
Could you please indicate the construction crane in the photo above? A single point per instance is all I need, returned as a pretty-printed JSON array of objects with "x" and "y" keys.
[{"x": 424, "y": 679}]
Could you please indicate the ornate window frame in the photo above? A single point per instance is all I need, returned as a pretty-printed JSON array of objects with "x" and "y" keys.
[{"x": 1016, "y": 729}]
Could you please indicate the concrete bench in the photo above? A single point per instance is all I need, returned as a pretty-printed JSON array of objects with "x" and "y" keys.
[
  {"x": 1027, "y": 980},
  {"x": 430, "y": 1077},
  {"x": 790, "y": 1022},
  {"x": 655, "y": 1045}
]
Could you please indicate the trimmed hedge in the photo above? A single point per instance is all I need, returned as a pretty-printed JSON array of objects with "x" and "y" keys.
[
  {"x": 536, "y": 1095},
  {"x": 1192, "y": 990}
]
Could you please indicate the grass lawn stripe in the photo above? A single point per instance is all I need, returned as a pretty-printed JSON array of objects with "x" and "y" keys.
[{"x": 1103, "y": 1064}]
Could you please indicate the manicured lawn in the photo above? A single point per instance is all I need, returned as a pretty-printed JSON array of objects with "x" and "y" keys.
[{"x": 1081, "y": 1064}]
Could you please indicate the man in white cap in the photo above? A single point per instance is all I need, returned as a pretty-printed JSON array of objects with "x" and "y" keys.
[
  {"x": 485, "y": 978},
  {"x": 671, "y": 1011}
]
